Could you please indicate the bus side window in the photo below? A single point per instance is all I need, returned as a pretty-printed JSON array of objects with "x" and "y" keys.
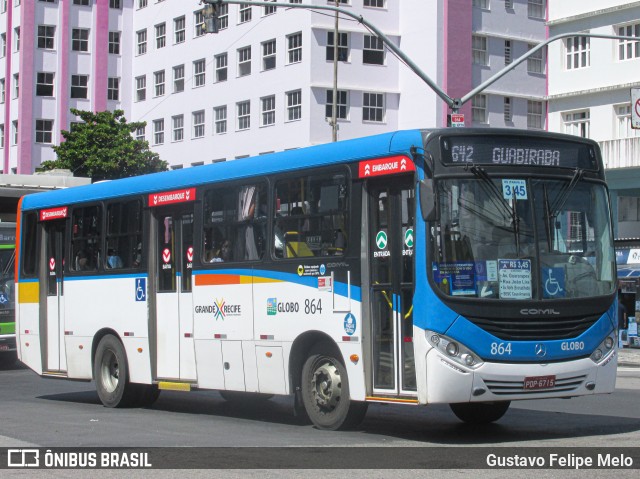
[
  {"x": 86, "y": 237},
  {"x": 124, "y": 235}
]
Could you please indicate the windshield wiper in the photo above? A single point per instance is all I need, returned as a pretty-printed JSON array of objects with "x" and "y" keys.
[
  {"x": 551, "y": 212},
  {"x": 496, "y": 197}
]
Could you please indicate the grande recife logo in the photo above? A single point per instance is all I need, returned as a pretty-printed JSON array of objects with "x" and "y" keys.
[{"x": 219, "y": 309}]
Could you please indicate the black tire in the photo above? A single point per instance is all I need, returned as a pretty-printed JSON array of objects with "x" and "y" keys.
[
  {"x": 480, "y": 412},
  {"x": 111, "y": 373},
  {"x": 242, "y": 396},
  {"x": 325, "y": 393}
]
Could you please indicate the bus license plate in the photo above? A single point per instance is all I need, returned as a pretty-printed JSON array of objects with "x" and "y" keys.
[
  {"x": 4, "y": 347},
  {"x": 539, "y": 382}
]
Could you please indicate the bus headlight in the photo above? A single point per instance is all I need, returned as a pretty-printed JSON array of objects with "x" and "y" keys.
[
  {"x": 453, "y": 350},
  {"x": 604, "y": 349}
]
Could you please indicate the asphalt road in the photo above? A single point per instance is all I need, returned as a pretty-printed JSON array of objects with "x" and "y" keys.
[{"x": 59, "y": 413}]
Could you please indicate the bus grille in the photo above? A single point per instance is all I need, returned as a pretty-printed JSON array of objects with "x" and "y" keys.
[
  {"x": 534, "y": 329},
  {"x": 504, "y": 388}
]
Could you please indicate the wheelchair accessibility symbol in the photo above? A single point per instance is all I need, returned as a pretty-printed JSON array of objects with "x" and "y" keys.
[
  {"x": 553, "y": 281},
  {"x": 141, "y": 289}
]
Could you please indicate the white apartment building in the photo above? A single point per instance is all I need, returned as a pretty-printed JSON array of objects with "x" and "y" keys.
[
  {"x": 264, "y": 82},
  {"x": 590, "y": 81}
]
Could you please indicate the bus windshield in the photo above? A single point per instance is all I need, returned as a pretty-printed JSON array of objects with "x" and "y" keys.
[{"x": 522, "y": 239}]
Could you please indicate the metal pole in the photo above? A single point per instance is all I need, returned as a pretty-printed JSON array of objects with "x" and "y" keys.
[{"x": 334, "y": 110}]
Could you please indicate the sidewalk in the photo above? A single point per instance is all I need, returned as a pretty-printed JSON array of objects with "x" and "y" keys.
[{"x": 629, "y": 357}]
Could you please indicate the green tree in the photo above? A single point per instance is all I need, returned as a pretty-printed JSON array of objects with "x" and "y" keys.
[{"x": 102, "y": 148}]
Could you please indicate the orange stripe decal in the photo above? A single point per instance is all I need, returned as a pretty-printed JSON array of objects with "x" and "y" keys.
[{"x": 229, "y": 279}]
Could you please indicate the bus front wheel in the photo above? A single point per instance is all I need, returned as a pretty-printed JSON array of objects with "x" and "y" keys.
[
  {"x": 112, "y": 375},
  {"x": 480, "y": 412},
  {"x": 325, "y": 394}
]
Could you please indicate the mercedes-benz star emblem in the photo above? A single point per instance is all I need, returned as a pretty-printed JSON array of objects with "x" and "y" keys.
[{"x": 541, "y": 350}]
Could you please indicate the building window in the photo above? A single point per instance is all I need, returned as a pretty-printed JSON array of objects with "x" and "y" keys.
[
  {"x": 342, "y": 105},
  {"x": 79, "y": 86},
  {"x": 294, "y": 105},
  {"x": 577, "y": 123},
  {"x": 3, "y": 44},
  {"x": 578, "y": 52},
  {"x": 479, "y": 50},
  {"x": 115, "y": 4},
  {"x": 16, "y": 85},
  {"x": 113, "y": 88},
  {"x": 268, "y": 55},
  {"x": 221, "y": 67},
  {"x": 80, "y": 40},
  {"x": 161, "y": 35},
  {"x": 142, "y": 3},
  {"x": 534, "y": 62},
  {"x": 373, "y": 107},
  {"x": 369, "y": 3},
  {"x": 198, "y": 124},
  {"x": 484, "y": 4},
  {"x": 44, "y": 84},
  {"x": 114, "y": 43},
  {"x": 508, "y": 115},
  {"x": 507, "y": 52},
  {"x": 268, "y": 110},
  {"x": 179, "y": 25},
  {"x": 244, "y": 61},
  {"x": 269, "y": 10},
  {"x": 198, "y": 20},
  {"x": 623, "y": 123},
  {"x": 294, "y": 48},
  {"x": 245, "y": 14},
  {"x": 223, "y": 17},
  {"x": 534, "y": 114},
  {"x": 14, "y": 123},
  {"x": 535, "y": 9},
  {"x": 178, "y": 79},
  {"x": 158, "y": 132},
  {"x": 220, "y": 119},
  {"x": 159, "y": 79},
  {"x": 141, "y": 133},
  {"x": 508, "y": 4},
  {"x": 2, "y": 136},
  {"x": 44, "y": 131},
  {"x": 199, "y": 73},
  {"x": 479, "y": 108},
  {"x": 81, "y": 2},
  {"x": 17, "y": 37},
  {"x": 141, "y": 88},
  {"x": 142, "y": 41},
  {"x": 2, "y": 90},
  {"x": 343, "y": 47},
  {"x": 244, "y": 115},
  {"x": 628, "y": 49},
  {"x": 373, "y": 53},
  {"x": 46, "y": 36},
  {"x": 178, "y": 127}
]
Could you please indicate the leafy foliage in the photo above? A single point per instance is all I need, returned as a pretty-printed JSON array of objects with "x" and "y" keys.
[{"x": 103, "y": 148}]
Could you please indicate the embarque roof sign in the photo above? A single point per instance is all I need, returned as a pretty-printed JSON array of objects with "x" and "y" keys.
[
  {"x": 54, "y": 213},
  {"x": 171, "y": 197},
  {"x": 391, "y": 165}
]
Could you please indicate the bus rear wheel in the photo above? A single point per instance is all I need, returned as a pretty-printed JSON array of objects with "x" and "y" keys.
[
  {"x": 325, "y": 394},
  {"x": 110, "y": 370},
  {"x": 480, "y": 412}
]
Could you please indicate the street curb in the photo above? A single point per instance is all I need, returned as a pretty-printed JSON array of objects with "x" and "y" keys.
[{"x": 628, "y": 365}]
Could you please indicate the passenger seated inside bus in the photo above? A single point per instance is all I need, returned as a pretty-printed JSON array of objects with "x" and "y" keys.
[
  {"x": 82, "y": 261},
  {"x": 220, "y": 255},
  {"x": 113, "y": 260}
]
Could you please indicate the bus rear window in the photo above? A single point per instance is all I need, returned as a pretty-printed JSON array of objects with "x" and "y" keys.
[{"x": 29, "y": 251}]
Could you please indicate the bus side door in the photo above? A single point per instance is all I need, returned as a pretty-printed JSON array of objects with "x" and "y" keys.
[{"x": 52, "y": 274}]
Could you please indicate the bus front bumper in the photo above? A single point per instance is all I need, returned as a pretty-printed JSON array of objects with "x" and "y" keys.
[{"x": 449, "y": 382}]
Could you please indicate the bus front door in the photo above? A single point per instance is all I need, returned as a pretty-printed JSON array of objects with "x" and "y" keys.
[
  {"x": 175, "y": 354},
  {"x": 52, "y": 275},
  {"x": 391, "y": 247}
]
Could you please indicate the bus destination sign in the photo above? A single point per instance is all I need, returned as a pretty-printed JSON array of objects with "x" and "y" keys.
[
  {"x": 516, "y": 151},
  {"x": 54, "y": 213}
]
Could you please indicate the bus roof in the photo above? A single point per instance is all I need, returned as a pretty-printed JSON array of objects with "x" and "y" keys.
[{"x": 291, "y": 160}]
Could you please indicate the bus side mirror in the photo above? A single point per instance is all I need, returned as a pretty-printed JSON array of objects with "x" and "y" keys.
[{"x": 428, "y": 200}]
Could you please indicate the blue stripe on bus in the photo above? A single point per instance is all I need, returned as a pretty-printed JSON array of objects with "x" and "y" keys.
[{"x": 291, "y": 160}]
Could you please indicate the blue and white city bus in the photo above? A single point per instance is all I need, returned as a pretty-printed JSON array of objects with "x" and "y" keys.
[{"x": 471, "y": 267}]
